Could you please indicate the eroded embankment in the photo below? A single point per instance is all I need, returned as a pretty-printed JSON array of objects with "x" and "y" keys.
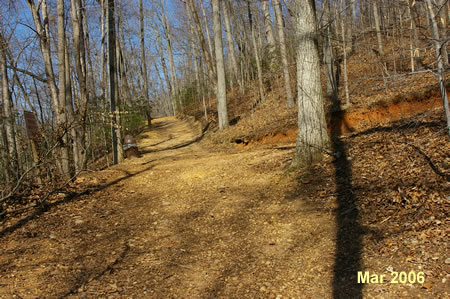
[{"x": 359, "y": 118}]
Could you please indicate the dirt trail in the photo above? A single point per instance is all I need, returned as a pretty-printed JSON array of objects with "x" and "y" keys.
[
  {"x": 182, "y": 222},
  {"x": 179, "y": 222}
]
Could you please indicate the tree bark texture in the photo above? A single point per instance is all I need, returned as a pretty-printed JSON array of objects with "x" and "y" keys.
[
  {"x": 312, "y": 135},
  {"x": 221, "y": 95}
]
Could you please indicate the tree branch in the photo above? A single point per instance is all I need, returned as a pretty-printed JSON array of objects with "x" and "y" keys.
[{"x": 39, "y": 78}]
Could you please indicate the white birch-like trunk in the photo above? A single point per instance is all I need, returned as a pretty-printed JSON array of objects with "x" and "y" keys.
[
  {"x": 344, "y": 49},
  {"x": 221, "y": 94},
  {"x": 312, "y": 135},
  {"x": 8, "y": 111}
]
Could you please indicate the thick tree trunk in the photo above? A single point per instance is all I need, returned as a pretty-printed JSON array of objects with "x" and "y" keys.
[
  {"x": 312, "y": 135},
  {"x": 221, "y": 94},
  {"x": 284, "y": 60}
]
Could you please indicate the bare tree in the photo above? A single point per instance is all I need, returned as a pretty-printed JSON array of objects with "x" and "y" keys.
[
  {"x": 312, "y": 135},
  {"x": 112, "y": 74},
  {"x": 8, "y": 112},
  {"x": 287, "y": 79},
  {"x": 377, "y": 27},
  {"x": 440, "y": 65},
  {"x": 80, "y": 66},
  {"x": 221, "y": 94},
  {"x": 231, "y": 51},
  {"x": 40, "y": 18},
  {"x": 145, "y": 99},
  {"x": 268, "y": 32},
  {"x": 344, "y": 51},
  {"x": 256, "y": 53},
  {"x": 207, "y": 56},
  {"x": 328, "y": 56}
]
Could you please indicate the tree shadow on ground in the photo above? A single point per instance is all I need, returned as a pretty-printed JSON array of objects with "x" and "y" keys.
[
  {"x": 41, "y": 208},
  {"x": 349, "y": 232}
]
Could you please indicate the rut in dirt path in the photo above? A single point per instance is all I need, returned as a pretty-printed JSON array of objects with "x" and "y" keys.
[{"x": 183, "y": 222}]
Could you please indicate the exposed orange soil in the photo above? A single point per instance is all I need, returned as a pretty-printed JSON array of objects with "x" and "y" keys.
[{"x": 354, "y": 120}]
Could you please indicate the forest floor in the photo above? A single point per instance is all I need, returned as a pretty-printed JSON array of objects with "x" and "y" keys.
[{"x": 188, "y": 221}]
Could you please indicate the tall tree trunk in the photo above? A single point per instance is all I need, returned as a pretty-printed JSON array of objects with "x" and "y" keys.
[
  {"x": 332, "y": 88},
  {"x": 349, "y": 13},
  {"x": 42, "y": 29},
  {"x": 81, "y": 69},
  {"x": 221, "y": 94},
  {"x": 146, "y": 103},
  {"x": 377, "y": 27},
  {"x": 170, "y": 87},
  {"x": 112, "y": 74},
  {"x": 199, "y": 83},
  {"x": 440, "y": 64},
  {"x": 228, "y": 31},
  {"x": 328, "y": 55},
  {"x": 256, "y": 52},
  {"x": 412, "y": 28},
  {"x": 284, "y": 60},
  {"x": 269, "y": 32},
  {"x": 61, "y": 115},
  {"x": 208, "y": 35},
  {"x": 206, "y": 54},
  {"x": 77, "y": 151},
  {"x": 104, "y": 45},
  {"x": 168, "y": 36},
  {"x": 344, "y": 50},
  {"x": 312, "y": 135},
  {"x": 8, "y": 113},
  {"x": 443, "y": 25}
]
